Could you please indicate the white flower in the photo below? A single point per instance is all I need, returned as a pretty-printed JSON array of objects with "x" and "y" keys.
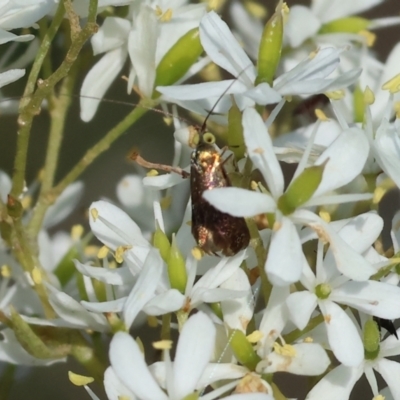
[
  {"x": 338, "y": 383},
  {"x": 344, "y": 160},
  {"x": 144, "y": 38},
  {"x": 308, "y": 77}
]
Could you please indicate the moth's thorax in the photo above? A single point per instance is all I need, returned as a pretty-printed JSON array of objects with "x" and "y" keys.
[{"x": 207, "y": 162}]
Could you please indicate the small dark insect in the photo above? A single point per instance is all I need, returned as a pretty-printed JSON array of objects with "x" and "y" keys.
[{"x": 213, "y": 230}]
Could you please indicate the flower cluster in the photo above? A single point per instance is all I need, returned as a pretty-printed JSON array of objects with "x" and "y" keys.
[{"x": 313, "y": 292}]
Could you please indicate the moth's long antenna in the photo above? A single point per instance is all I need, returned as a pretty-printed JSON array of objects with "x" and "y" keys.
[{"x": 203, "y": 126}]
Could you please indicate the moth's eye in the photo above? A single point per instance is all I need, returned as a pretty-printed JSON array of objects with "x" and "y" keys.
[{"x": 208, "y": 138}]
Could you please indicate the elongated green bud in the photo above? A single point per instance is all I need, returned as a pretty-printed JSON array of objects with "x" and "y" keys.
[
  {"x": 301, "y": 189},
  {"x": 178, "y": 59},
  {"x": 358, "y": 104},
  {"x": 176, "y": 268},
  {"x": 161, "y": 242},
  {"x": 269, "y": 52},
  {"x": 65, "y": 269},
  {"x": 371, "y": 340},
  {"x": 347, "y": 25},
  {"x": 235, "y": 132},
  {"x": 243, "y": 350}
]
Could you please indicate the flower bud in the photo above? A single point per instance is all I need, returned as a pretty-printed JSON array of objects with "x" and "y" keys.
[
  {"x": 176, "y": 268},
  {"x": 347, "y": 25},
  {"x": 178, "y": 59},
  {"x": 371, "y": 340},
  {"x": 243, "y": 350},
  {"x": 161, "y": 242},
  {"x": 269, "y": 52},
  {"x": 301, "y": 189}
]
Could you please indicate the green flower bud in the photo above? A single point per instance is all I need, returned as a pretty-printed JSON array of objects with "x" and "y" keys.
[
  {"x": 347, "y": 25},
  {"x": 243, "y": 350},
  {"x": 176, "y": 268},
  {"x": 192, "y": 396},
  {"x": 217, "y": 310},
  {"x": 269, "y": 52},
  {"x": 161, "y": 242},
  {"x": 301, "y": 189},
  {"x": 358, "y": 104},
  {"x": 371, "y": 340},
  {"x": 235, "y": 132},
  {"x": 178, "y": 59},
  {"x": 323, "y": 291},
  {"x": 65, "y": 269}
]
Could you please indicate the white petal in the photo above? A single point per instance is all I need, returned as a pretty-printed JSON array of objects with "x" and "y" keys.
[
  {"x": 345, "y": 159},
  {"x": 105, "y": 306},
  {"x": 343, "y": 337},
  {"x": 300, "y": 306},
  {"x": 170, "y": 301},
  {"x": 263, "y": 94},
  {"x": 249, "y": 396},
  {"x": 142, "y": 45},
  {"x": 390, "y": 371},
  {"x": 372, "y": 297},
  {"x": 11, "y": 76},
  {"x": 74, "y": 313},
  {"x": 222, "y": 47},
  {"x": 119, "y": 276},
  {"x": 239, "y": 202},
  {"x": 394, "y": 232},
  {"x": 203, "y": 90},
  {"x": 300, "y": 25},
  {"x": 285, "y": 257},
  {"x": 238, "y": 312},
  {"x": 261, "y": 151},
  {"x": 163, "y": 181},
  {"x": 193, "y": 353},
  {"x": 130, "y": 367},
  {"x": 113, "y": 226},
  {"x": 114, "y": 388},
  {"x": 64, "y": 205},
  {"x": 5, "y": 186},
  {"x": 336, "y": 385},
  {"x": 309, "y": 359},
  {"x": 111, "y": 35},
  {"x": 144, "y": 288},
  {"x": 98, "y": 80}
]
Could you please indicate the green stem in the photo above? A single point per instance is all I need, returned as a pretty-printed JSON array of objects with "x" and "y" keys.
[
  {"x": 59, "y": 107},
  {"x": 297, "y": 333},
  {"x": 166, "y": 327},
  {"x": 99, "y": 148},
  {"x": 30, "y": 107}
]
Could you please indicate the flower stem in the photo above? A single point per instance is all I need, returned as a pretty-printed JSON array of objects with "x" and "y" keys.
[{"x": 295, "y": 334}]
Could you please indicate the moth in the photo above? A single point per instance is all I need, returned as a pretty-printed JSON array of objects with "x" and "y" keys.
[{"x": 213, "y": 230}]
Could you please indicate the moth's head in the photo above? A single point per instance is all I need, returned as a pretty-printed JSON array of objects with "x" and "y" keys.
[{"x": 206, "y": 154}]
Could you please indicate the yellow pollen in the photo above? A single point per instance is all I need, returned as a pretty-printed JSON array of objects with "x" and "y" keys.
[
  {"x": 255, "y": 336},
  {"x": 112, "y": 265},
  {"x": 325, "y": 215},
  {"x": 37, "y": 276},
  {"x": 369, "y": 36},
  {"x": 77, "y": 232},
  {"x": 166, "y": 202},
  {"x": 214, "y": 4},
  {"x": 79, "y": 380},
  {"x": 369, "y": 97},
  {"x": 5, "y": 271},
  {"x": 94, "y": 213},
  {"x": 26, "y": 202},
  {"x": 277, "y": 226},
  {"x": 313, "y": 54},
  {"x": 197, "y": 253},
  {"x": 167, "y": 16},
  {"x": 158, "y": 11},
  {"x": 167, "y": 121},
  {"x": 102, "y": 253},
  {"x": 152, "y": 321},
  {"x": 327, "y": 318},
  {"x": 91, "y": 250},
  {"x": 255, "y": 9},
  {"x": 254, "y": 185},
  {"x": 119, "y": 253},
  {"x": 308, "y": 339},
  {"x": 336, "y": 94},
  {"x": 378, "y": 194},
  {"x": 152, "y": 172},
  {"x": 321, "y": 115},
  {"x": 163, "y": 345},
  {"x": 393, "y": 85},
  {"x": 286, "y": 350},
  {"x": 379, "y": 397}
]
